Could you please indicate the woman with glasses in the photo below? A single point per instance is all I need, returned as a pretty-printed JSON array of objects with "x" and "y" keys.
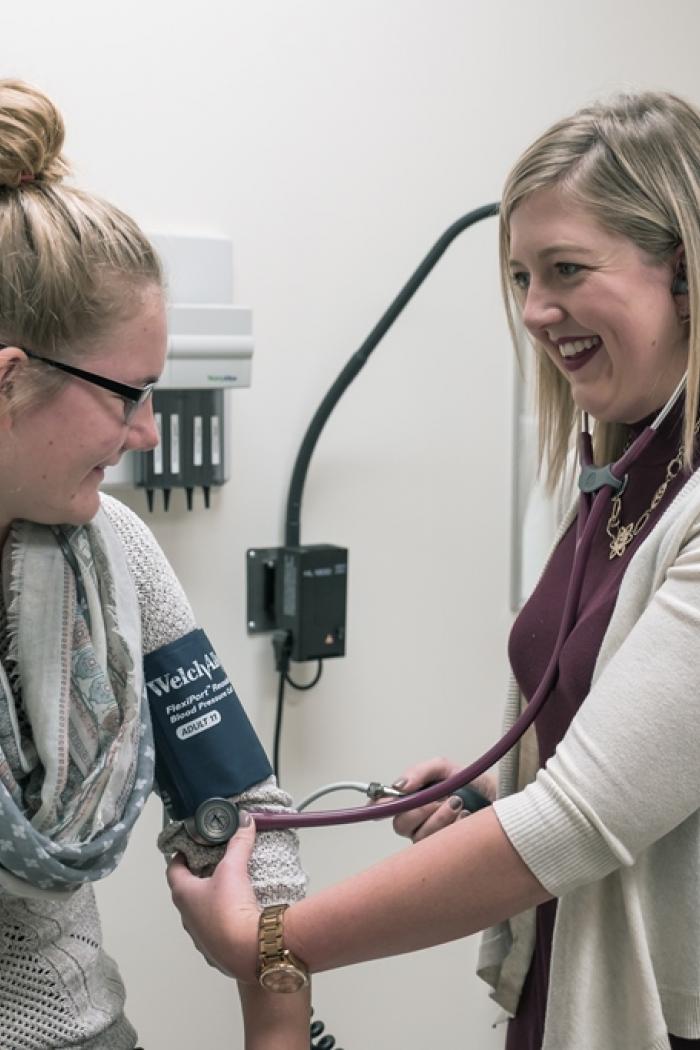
[{"x": 85, "y": 595}]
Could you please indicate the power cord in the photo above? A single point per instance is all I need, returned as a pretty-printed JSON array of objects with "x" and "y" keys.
[
  {"x": 309, "y": 685},
  {"x": 282, "y": 646}
]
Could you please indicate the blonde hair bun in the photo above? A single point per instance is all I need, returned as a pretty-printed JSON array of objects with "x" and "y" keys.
[{"x": 31, "y": 136}]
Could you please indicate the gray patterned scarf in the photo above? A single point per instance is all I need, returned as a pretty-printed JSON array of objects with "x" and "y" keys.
[{"x": 76, "y": 754}]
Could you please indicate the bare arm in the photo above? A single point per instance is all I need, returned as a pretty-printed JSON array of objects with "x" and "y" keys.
[
  {"x": 273, "y": 1021},
  {"x": 457, "y": 881}
]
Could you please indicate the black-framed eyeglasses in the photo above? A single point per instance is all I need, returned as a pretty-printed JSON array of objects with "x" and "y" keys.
[{"x": 133, "y": 396}]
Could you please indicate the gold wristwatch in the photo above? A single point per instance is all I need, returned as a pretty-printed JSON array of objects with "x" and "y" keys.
[{"x": 278, "y": 969}]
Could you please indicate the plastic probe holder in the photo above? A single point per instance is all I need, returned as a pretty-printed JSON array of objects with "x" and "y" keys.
[{"x": 192, "y": 449}]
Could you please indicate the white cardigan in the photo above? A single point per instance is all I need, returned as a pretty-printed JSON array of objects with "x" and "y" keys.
[{"x": 611, "y": 825}]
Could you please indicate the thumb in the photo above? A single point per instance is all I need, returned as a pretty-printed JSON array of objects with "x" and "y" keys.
[{"x": 239, "y": 847}]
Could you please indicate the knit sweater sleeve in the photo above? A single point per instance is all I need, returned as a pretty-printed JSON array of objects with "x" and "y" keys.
[
  {"x": 626, "y": 772},
  {"x": 166, "y": 616}
]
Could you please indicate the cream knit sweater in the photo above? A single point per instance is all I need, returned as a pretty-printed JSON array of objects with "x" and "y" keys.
[
  {"x": 58, "y": 989},
  {"x": 611, "y": 826}
]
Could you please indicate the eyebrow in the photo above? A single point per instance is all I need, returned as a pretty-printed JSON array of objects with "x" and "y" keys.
[
  {"x": 148, "y": 381},
  {"x": 558, "y": 249}
]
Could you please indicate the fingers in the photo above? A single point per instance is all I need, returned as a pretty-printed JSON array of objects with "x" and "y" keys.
[
  {"x": 234, "y": 863},
  {"x": 417, "y": 824},
  {"x": 231, "y": 880},
  {"x": 413, "y": 779},
  {"x": 185, "y": 886},
  {"x": 179, "y": 876},
  {"x": 418, "y": 776},
  {"x": 220, "y": 913},
  {"x": 446, "y": 813},
  {"x": 407, "y": 824}
]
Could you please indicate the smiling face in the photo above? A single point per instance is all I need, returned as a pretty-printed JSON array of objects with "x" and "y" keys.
[
  {"x": 53, "y": 454},
  {"x": 601, "y": 308}
]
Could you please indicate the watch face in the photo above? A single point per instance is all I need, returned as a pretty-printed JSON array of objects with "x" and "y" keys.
[{"x": 283, "y": 977}]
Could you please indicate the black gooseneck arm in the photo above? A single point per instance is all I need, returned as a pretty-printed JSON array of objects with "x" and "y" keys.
[{"x": 292, "y": 531}]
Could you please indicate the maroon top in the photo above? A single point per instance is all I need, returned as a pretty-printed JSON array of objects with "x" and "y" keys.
[{"x": 531, "y": 642}]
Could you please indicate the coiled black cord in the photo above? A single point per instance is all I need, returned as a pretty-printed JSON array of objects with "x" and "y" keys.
[{"x": 324, "y": 1042}]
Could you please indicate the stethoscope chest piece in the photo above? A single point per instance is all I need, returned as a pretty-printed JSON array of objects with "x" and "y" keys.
[{"x": 216, "y": 820}]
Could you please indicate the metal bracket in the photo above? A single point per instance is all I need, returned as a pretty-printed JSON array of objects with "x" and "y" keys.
[{"x": 261, "y": 570}]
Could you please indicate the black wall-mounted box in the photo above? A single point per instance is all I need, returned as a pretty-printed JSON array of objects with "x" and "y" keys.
[
  {"x": 310, "y": 599},
  {"x": 302, "y": 590}
]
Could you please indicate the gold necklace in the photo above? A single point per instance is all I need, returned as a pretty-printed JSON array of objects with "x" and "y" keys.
[{"x": 622, "y": 535}]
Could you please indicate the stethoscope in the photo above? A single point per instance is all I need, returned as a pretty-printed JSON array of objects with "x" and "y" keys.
[
  {"x": 596, "y": 484},
  {"x": 216, "y": 819}
]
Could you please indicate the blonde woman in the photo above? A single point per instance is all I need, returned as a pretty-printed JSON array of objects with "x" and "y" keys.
[
  {"x": 86, "y": 594},
  {"x": 586, "y": 869}
]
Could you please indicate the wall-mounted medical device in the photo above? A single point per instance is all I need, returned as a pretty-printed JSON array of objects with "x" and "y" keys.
[
  {"x": 210, "y": 347},
  {"x": 301, "y": 591}
]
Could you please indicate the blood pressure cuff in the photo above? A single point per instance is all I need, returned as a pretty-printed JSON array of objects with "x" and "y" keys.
[{"x": 205, "y": 745}]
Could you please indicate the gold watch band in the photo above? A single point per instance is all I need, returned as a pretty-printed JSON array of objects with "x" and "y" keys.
[
  {"x": 278, "y": 969},
  {"x": 270, "y": 935}
]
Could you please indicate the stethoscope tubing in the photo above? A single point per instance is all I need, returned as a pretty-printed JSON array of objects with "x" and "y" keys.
[
  {"x": 590, "y": 513},
  {"x": 382, "y": 810}
]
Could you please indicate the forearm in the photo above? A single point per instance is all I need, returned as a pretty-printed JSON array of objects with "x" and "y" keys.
[
  {"x": 273, "y": 1020},
  {"x": 458, "y": 881}
]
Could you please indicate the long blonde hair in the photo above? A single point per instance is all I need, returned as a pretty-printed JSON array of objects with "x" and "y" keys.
[
  {"x": 71, "y": 264},
  {"x": 634, "y": 164}
]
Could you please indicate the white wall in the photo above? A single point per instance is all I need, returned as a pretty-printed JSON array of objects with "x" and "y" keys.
[{"x": 334, "y": 140}]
